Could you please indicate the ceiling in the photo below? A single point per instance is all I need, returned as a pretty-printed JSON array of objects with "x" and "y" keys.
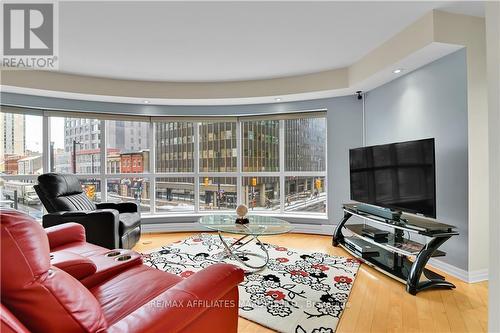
[{"x": 228, "y": 41}]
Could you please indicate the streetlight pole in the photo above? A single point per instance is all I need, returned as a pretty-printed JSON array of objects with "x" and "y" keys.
[
  {"x": 218, "y": 196},
  {"x": 74, "y": 155}
]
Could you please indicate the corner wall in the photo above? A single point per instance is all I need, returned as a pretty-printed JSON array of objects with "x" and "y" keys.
[
  {"x": 431, "y": 102},
  {"x": 493, "y": 62}
]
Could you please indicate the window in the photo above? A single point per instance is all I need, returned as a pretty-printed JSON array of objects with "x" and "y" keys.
[
  {"x": 20, "y": 144},
  {"x": 261, "y": 193},
  {"x": 305, "y": 194},
  {"x": 19, "y": 194},
  {"x": 305, "y": 148},
  {"x": 175, "y": 194},
  {"x": 129, "y": 190},
  {"x": 120, "y": 138},
  {"x": 21, "y": 159},
  {"x": 218, "y": 193},
  {"x": 174, "y": 146},
  {"x": 74, "y": 153},
  {"x": 273, "y": 164},
  {"x": 217, "y": 147},
  {"x": 260, "y": 145}
]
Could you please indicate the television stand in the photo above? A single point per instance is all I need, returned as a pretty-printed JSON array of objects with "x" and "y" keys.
[{"x": 397, "y": 256}]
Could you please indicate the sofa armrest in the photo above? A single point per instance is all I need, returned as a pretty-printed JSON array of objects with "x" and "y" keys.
[
  {"x": 66, "y": 233},
  {"x": 178, "y": 307},
  {"x": 122, "y": 207},
  {"x": 101, "y": 226},
  {"x": 74, "y": 264}
]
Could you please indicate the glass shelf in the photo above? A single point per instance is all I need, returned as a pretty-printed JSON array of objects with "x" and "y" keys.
[
  {"x": 392, "y": 264},
  {"x": 408, "y": 222},
  {"x": 405, "y": 247}
]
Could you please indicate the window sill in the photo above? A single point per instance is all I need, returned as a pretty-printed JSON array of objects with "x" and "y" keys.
[{"x": 311, "y": 218}]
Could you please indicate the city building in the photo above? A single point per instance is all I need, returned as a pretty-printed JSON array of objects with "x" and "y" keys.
[
  {"x": 10, "y": 164},
  {"x": 134, "y": 162},
  {"x": 303, "y": 151},
  {"x": 31, "y": 165},
  {"x": 113, "y": 162},
  {"x": 12, "y": 135}
]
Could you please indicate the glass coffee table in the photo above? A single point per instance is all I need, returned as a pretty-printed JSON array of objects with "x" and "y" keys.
[{"x": 259, "y": 226}]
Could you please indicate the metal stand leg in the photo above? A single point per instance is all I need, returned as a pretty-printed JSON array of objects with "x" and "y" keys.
[
  {"x": 337, "y": 234},
  {"x": 413, "y": 284},
  {"x": 234, "y": 252}
]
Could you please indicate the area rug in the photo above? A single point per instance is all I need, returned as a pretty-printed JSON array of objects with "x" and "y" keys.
[{"x": 298, "y": 291}]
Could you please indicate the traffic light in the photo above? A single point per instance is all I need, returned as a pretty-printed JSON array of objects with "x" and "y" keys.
[
  {"x": 254, "y": 181},
  {"x": 317, "y": 184},
  {"x": 90, "y": 191},
  {"x": 205, "y": 181}
]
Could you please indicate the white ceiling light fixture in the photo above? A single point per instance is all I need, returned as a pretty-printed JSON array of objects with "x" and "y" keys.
[
  {"x": 146, "y": 102},
  {"x": 397, "y": 70},
  {"x": 277, "y": 99}
]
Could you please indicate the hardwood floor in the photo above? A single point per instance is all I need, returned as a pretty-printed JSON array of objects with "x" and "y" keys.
[{"x": 378, "y": 303}]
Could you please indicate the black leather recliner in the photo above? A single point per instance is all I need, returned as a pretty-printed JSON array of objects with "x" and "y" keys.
[{"x": 111, "y": 225}]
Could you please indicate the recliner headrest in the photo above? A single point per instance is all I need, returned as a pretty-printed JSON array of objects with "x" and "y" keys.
[
  {"x": 22, "y": 237},
  {"x": 57, "y": 184}
]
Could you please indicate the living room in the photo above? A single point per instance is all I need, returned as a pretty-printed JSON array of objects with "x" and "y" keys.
[{"x": 250, "y": 166}]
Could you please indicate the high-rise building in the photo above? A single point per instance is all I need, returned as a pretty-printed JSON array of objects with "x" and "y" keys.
[
  {"x": 12, "y": 141},
  {"x": 128, "y": 136},
  {"x": 85, "y": 135},
  {"x": 13, "y": 134},
  {"x": 305, "y": 148}
]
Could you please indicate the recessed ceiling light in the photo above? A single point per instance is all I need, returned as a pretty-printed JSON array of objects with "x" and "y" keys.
[
  {"x": 146, "y": 102},
  {"x": 397, "y": 71},
  {"x": 277, "y": 99}
]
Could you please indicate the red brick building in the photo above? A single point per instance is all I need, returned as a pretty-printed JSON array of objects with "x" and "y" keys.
[
  {"x": 134, "y": 162},
  {"x": 11, "y": 164}
]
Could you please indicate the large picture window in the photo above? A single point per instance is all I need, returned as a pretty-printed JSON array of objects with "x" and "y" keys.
[
  {"x": 218, "y": 152},
  {"x": 75, "y": 145},
  {"x": 21, "y": 144},
  {"x": 170, "y": 165},
  {"x": 174, "y": 146},
  {"x": 21, "y": 157},
  {"x": 260, "y": 145},
  {"x": 127, "y": 146}
]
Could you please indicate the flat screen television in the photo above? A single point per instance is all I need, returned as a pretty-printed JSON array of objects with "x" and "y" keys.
[{"x": 399, "y": 176}]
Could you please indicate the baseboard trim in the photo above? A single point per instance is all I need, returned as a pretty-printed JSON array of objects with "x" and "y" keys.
[
  {"x": 450, "y": 269},
  {"x": 469, "y": 277},
  {"x": 321, "y": 229},
  {"x": 478, "y": 276}
]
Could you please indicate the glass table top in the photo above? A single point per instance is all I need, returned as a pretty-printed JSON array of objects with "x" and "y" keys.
[{"x": 259, "y": 225}]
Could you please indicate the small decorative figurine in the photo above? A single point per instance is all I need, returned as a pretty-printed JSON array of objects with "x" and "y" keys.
[{"x": 241, "y": 212}]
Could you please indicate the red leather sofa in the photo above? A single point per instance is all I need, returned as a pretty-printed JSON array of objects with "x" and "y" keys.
[{"x": 54, "y": 281}]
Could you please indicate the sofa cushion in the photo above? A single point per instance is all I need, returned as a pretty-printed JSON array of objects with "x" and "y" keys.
[
  {"x": 74, "y": 264},
  {"x": 73, "y": 202},
  {"x": 127, "y": 291}
]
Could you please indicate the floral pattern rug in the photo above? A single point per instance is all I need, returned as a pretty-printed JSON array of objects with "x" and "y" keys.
[{"x": 298, "y": 291}]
